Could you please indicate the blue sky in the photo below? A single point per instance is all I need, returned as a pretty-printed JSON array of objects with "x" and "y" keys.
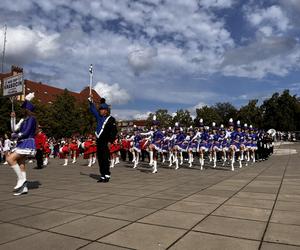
[{"x": 155, "y": 54}]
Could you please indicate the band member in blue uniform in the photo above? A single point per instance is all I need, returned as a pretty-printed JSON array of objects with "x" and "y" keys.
[
  {"x": 106, "y": 132},
  {"x": 24, "y": 132}
]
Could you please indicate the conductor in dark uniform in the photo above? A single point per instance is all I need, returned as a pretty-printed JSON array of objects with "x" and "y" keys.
[{"x": 106, "y": 132}]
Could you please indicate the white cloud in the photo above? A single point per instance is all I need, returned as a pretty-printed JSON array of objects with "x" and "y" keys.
[
  {"x": 273, "y": 55},
  {"x": 141, "y": 59},
  {"x": 26, "y": 45},
  {"x": 217, "y": 3},
  {"x": 269, "y": 19},
  {"x": 112, "y": 93},
  {"x": 129, "y": 114}
]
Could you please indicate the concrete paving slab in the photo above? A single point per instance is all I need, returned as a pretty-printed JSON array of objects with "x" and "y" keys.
[
  {"x": 287, "y": 206},
  {"x": 146, "y": 237},
  {"x": 197, "y": 240},
  {"x": 254, "y": 195},
  {"x": 232, "y": 227},
  {"x": 11, "y": 232},
  {"x": 53, "y": 203},
  {"x": 280, "y": 233},
  {"x": 286, "y": 217},
  {"x": 102, "y": 246},
  {"x": 45, "y": 241},
  {"x": 90, "y": 227},
  {"x": 27, "y": 199},
  {"x": 192, "y": 207},
  {"x": 126, "y": 212},
  {"x": 47, "y": 220},
  {"x": 10, "y": 214},
  {"x": 150, "y": 203},
  {"x": 206, "y": 198},
  {"x": 87, "y": 207},
  {"x": 243, "y": 212},
  {"x": 116, "y": 199},
  {"x": 255, "y": 203},
  {"x": 273, "y": 246},
  {"x": 173, "y": 219}
]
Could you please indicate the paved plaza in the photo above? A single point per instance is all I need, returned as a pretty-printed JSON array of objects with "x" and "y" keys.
[{"x": 256, "y": 207}]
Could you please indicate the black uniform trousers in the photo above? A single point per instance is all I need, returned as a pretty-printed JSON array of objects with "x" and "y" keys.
[
  {"x": 103, "y": 156},
  {"x": 39, "y": 158}
]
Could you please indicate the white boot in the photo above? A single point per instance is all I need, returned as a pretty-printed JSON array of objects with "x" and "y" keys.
[
  {"x": 117, "y": 160},
  {"x": 66, "y": 162},
  {"x": 93, "y": 160},
  {"x": 201, "y": 163},
  {"x": 112, "y": 163},
  {"x": 240, "y": 163},
  {"x": 190, "y": 159},
  {"x": 136, "y": 161},
  {"x": 176, "y": 164},
  {"x": 163, "y": 158},
  {"x": 74, "y": 160},
  {"x": 133, "y": 156},
  {"x": 215, "y": 160},
  {"x": 151, "y": 158},
  {"x": 181, "y": 158},
  {"x": 90, "y": 162},
  {"x": 21, "y": 177},
  {"x": 154, "y": 167}
]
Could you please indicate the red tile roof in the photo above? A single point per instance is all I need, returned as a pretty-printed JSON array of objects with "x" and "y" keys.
[{"x": 46, "y": 94}]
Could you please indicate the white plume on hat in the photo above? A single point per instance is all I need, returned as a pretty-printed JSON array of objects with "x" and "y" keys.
[
  {"x": 176, "y": 124},
  {"x": 245, "y": 125},
  {"x": 154, "y": 118},
  {"x": 238, "y": 122},
  {"x": 213, "y": 124},
  {"x": 29, "y": 96},
  {"x": 230, "y": 120},
  {"x": 201, "y": 120},
  {"x": 222, "y": 126}
]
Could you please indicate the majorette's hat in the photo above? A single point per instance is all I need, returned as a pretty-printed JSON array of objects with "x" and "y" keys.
[
  {"x": 103, "y": 104},
  {"x": 201, "y": 124},
  {"x": 154, "y": 121},
  {"x": 191, "y": 128},
  {"x": 206, "y": 128},
  {"x": 176, "y": 127},
  {"x": 251, "y": 127},
  {"x": 238, "y": 124},
  {"x": 230, "y": 122},
  {"x": 213, "y": 127},
  {"x": 27, "y": 104},
  {"x": 135, "y": 128},
  {"x": 169, "y": 130},
  {"x": 246, "y": 126},
  {"x": 222, "y": 127}
]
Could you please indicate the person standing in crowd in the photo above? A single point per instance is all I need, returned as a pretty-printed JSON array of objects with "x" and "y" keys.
[
  {"x": 40, "y": 141},
  {"x": 24, "y": 132},
  {"x": 106, "y": 132},
  {"x": 6, "y": 147}
]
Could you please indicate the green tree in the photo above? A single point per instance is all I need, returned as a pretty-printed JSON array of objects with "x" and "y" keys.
[
  {"x": 280, "y": 112},
  {"x": 163, "y": 116},
  {"x": 225, "y": 111},
  {"x": 66, "y": 115},
  {"x": 209, "y": 115},
  {"x": 251, "y": 114},
  {"x": 183, "y": 117}
]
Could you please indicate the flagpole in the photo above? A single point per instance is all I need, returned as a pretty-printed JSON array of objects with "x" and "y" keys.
[{"x": 91, "y": 78}]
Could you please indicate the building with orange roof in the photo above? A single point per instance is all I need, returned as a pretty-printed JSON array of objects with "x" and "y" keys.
[{"x": 44, "y": 93}]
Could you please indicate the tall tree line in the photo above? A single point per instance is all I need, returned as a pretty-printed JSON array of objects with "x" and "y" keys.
[{"x": 66, "y": 117}]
